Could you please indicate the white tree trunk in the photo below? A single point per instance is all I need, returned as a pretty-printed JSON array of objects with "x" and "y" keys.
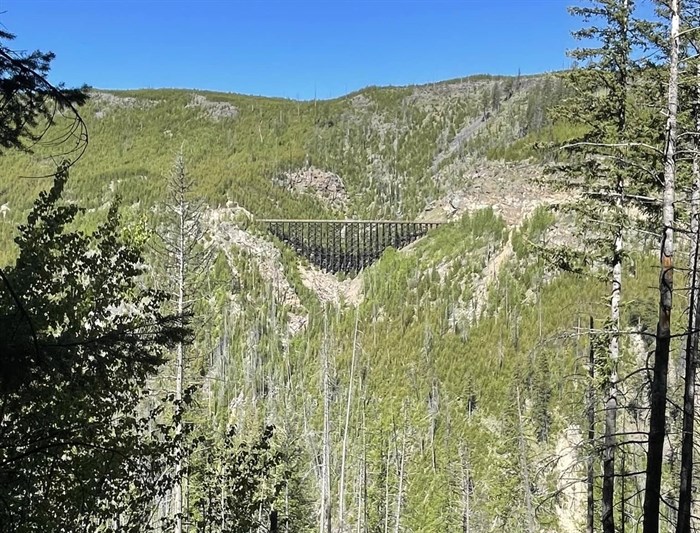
[
  {"x": 341, "y": 497},
  {"x": 685, "y": 495},
  {"x": 180, "y": 362},
  {"x": 525, "y": 469},
  {"x": 325, "y": 521}
]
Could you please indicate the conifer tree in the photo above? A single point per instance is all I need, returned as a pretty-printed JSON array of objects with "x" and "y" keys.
[
  {"x": 600, "y": 165},
  {"x": 27, "y": 98},
  {"x": 181, "y": 243}
]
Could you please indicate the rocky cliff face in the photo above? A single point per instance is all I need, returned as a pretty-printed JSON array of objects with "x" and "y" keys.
[
  {"x": 327, "y": 186},
  {"x": 512, "y": 190}
]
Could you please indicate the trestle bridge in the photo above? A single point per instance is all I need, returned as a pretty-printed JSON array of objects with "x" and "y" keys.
[{"x": 346, "y": 245}]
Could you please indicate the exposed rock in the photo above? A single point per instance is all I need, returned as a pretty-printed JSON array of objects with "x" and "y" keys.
[
  {"x": 571, "y": 490},
  {"x": 212, "y": 109},
  {"x": 464, "y": 312},
  {"x": 463, "y": 135},
  {"x": 106, "y": 102},
  {"x": 238, "y": 213},
  {"x": 226, "y": 233},
  {"x": 488, "y": 276},
  {"x": 360, "y": 101},
  {"x": 510, "y": 189},
  {"x": 325, "y": 185},
  {"x": 331, "y": 290}
]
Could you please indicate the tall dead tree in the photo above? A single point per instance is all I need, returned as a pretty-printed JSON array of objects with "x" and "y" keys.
[
  {"x": 341, "y": 496},
  {"x": 466, "y": 489},
  {"x": 659, "y": 384},
  {"x": 602, "y": 168},
  {"x": 181, "y": 244},
  {"x": 325, "y": 519},
  {"x": 590, "y": 460},
  {"x": 691, "y": 348},
  {"x": 525, "y": 468}
]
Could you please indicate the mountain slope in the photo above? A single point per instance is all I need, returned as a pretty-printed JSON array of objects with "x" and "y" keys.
[
  {"x": 460, "y": 394},
  {"x": 395, "y": 149}
]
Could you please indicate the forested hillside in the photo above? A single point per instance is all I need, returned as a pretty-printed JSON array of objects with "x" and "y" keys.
[
  {"x": 168, "y": 365},
  {"x": 394, "y": 149}
]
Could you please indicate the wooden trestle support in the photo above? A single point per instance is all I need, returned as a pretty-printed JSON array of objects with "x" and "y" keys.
[{"x": 346, "y": 245}]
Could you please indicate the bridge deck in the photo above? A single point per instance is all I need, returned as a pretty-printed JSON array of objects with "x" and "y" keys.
[{"x": 345, "y": 221}]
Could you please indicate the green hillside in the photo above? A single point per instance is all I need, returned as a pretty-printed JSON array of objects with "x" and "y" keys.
[
  {"x": 455, "y": 366},
  {"x": 395, "y": 149},
  {"x": 445, "y": 355}
]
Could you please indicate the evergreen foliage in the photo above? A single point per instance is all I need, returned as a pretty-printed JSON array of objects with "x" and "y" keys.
[
  {"x": 80, "y": 335},
  {"x": 453, "y": 396}
]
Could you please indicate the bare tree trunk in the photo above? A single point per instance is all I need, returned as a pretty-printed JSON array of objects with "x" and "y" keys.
[
  {"x": 590, "y": 477},
  {"x": 466, "y": 491},
  {"x": 365, "y": 512},
  {"x": 358, "y": 494},
  {"x": 525, "y": 469},
  {"x": 623, "y": 499},
  {"x": 365, "y": 508},
  {"x": 222, "y": 497},
  {"x": 341, "y": 497},
  {"x": 691, "y": 349},
  {"x": 402, "y": 463},
  {"x": 286, "y": 508},
  {"x": 180, "y": 362},
  {"x": 659, "y": 385},
  {"x": 179, "y": 244},
  {"x": 325, "y": 526},
  {"x": 386, "y": 491},
  {"x": 610, "y": 436},
  {"x": 177, "y": 496},
  {"x": 434, "y": 409}
]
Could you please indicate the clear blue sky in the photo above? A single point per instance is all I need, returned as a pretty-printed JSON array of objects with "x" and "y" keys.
[{"x": 289, "y": 48}]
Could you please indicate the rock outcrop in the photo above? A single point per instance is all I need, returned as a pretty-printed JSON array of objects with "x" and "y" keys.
[
  {"x": 106, "y": 102},
  {"x": 213, "y": 110},
  {"x": 326, "y": 186}
]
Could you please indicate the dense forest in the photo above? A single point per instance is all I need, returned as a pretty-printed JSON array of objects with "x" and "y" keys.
[{"x": 166, "y": 364}]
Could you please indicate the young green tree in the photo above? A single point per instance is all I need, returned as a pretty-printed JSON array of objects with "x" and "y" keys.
[
  {"x": 241, "y": 485},
  {"x": 79, "y": 336}
]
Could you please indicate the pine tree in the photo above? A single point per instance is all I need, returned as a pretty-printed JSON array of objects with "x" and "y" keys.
[
  {"x": 181, "y": 244},
  {"x": 27, "y": 98},
  {"x": 601, "y": 166}
]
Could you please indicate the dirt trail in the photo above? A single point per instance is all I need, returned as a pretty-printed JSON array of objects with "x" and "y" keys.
[{"x": 488, "y": 275}]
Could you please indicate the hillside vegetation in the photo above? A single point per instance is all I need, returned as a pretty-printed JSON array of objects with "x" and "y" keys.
[
  {"x": 446, "y": 387},
  {"x": 395, "y": 149}
]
